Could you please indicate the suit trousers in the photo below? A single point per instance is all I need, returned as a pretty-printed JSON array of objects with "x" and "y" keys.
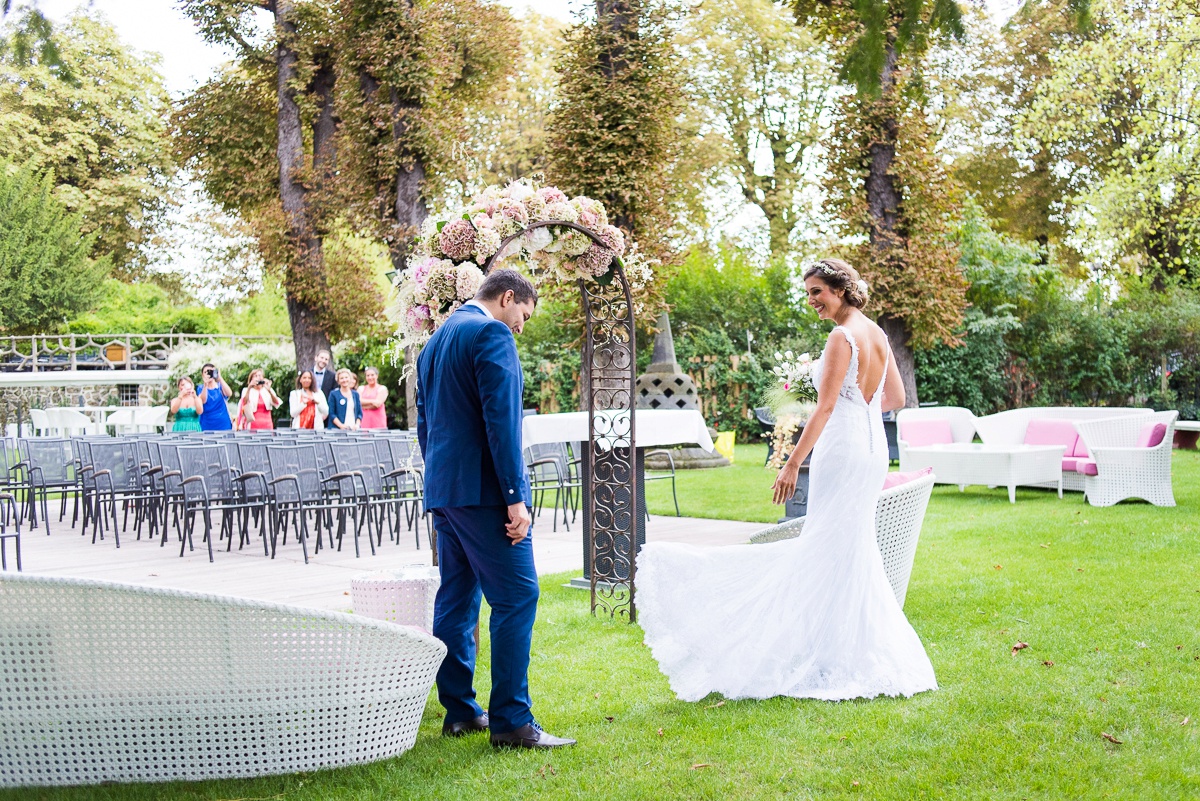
[{"x": 476, "y": 557}]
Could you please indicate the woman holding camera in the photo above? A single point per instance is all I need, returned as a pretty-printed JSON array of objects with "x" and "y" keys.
[
  {"x": 213, "y": 393},
  {"x": 257, "y": 403}
]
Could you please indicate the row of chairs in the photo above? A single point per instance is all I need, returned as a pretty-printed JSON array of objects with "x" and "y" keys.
[{"x": 317, "y": 487}]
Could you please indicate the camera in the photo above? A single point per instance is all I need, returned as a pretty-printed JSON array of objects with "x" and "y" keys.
[{"x": 260, "y": 382}]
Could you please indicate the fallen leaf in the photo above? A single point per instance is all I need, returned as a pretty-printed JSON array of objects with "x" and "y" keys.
[
  {"x": 1184, "y": 722},
  {"x": 717, "y": 704},
  {"x": 597, "y": 695},
  {"x": 547, "y": 767},
  {"x": 843, "y": 737},
  {"x": 1142, "y": 645},
  {"x": 1110, "y": 738},
  {"x": 1020, "y": 646},
  {"x": 700, "y": 765},
  {"x": 1048, "y": 663},
  {"x": 1178, "y": 647},
  {"x": 609, "y": 718},
  {"x": 998, "y": 567},
  {"x": 660, "y": 734},
  {"x": 1079, "y": 570},
  {"x": 853, "y": 784},
  {"x": 1045, "y": 545}
]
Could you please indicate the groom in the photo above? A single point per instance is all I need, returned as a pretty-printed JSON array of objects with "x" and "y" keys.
[{"x": 469, "y": 388}]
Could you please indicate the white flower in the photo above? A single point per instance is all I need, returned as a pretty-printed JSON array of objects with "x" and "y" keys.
[
  {"x": 862, "y": 286},
  {"x": 787, "y": 354},
  {"x": 778, "y": 356},
  {"x": 537, "y": 239},
  {"x": 519, "y": 190}
]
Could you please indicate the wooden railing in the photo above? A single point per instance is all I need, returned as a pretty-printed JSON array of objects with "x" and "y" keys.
[{"x": 40, "y": 353}]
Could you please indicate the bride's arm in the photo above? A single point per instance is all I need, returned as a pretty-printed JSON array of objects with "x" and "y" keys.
[
  {"x": 833, "y": 373},
  {"x": 893, "y": 385}
]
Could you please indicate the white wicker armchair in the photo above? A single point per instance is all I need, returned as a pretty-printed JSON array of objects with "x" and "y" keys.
[
  {"x": 1124, "y": 470},
  {"x": 960, "y": 420},
  {"x": 898, "y": 518},
  {"x": 115, "y": 683}
]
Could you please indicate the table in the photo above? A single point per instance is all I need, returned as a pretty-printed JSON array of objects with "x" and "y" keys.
[
  {"x": 1187, "y": 432},
  {"x": 97, "y": 413},
  {"x": 403, "y": 596},
  {"x": 655, "y": 428},
  {"x": 964, "y": 463}
]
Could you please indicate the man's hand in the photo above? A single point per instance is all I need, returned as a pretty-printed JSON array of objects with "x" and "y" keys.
[
  {"x": 518, "y": 522},
  {"x": 785, "y": 484}
]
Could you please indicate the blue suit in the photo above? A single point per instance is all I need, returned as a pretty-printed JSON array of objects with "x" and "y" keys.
[{"x": 469, "y": 398}]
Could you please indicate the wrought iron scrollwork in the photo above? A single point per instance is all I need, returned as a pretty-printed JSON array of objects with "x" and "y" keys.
[{"x": 609, "y": 374}]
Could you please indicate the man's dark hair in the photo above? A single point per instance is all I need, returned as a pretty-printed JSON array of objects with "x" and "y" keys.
[{"x": 498, "y": 282}]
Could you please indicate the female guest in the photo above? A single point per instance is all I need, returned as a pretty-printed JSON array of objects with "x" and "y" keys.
[
  {"x": 345, "y": 405},
  {"x": 257, "y": 403},
  {"x": 307, "y": 403},
  {"x": 373, "y": 396},
  {"x": 186, "y": 406},
  {"x": 213, "y": 395}
]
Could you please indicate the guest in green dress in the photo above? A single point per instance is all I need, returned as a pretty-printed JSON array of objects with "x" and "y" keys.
[{"x": 186, "y": 407}]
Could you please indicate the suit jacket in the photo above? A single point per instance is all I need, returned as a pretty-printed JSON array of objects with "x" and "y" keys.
[
  {"x": 340, "y": 407},
  {"x": 328, "y": 380},
  {"x": 469, "y": 390}
]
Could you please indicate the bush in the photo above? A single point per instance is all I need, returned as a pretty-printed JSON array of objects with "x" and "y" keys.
[{"x": 143, "y": 309}]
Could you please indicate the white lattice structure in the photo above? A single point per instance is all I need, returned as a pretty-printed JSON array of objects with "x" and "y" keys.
[
  {"x": 115, "y": 683},
  {"x": 898, "y": 518},
  {"x": 1124, "y": 470},
  {"x": 402, "y": 596}
]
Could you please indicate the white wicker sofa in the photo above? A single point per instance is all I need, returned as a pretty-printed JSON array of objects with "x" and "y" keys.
[
  {"x": 106, "y": 682},
  {"x": 898, "y": 518}
]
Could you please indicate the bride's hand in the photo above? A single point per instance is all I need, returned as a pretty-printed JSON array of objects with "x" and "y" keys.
[{"x": 785, "y": 483}]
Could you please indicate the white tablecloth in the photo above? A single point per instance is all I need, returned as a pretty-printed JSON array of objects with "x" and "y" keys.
[{"x": 655, "y": 428}]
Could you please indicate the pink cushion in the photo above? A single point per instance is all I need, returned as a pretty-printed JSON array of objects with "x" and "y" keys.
[
  {"x": 1151, "y": 435},
  {"x": 1086, "y": 467},
  {"x": 896, "y": 479},
  {"x": 1052, "y": 432},
  {"x": 1080, "y": 449},
  {"x": 926, "y": 432},
  {"x": 1069, "y": 463}
]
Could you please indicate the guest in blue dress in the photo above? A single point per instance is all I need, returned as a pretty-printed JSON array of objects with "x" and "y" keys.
[
  {"x": 345, "y": 407},
  {"x": 213, "y": 395}
]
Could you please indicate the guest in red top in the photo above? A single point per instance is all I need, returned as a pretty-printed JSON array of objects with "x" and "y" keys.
[
  {"x": 257, "y": 403},
  {"x": 373, "y": 396}
]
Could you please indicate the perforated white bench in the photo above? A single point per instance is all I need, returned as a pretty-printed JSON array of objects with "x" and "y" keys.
[
  {"x": 898, "y": 518},
  {"x": 103, "y": 682}
]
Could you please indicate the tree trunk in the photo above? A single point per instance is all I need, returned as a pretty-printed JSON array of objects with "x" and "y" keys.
[
  {"x": 305, "y": 278},
  {"x": 884, "y": 209}
]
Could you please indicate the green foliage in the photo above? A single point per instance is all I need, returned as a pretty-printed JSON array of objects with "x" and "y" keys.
[
  {"x": 46, "y": 274},
  {"x": 729, "y": 381},
  {"x": 551, "y": 356},
  {"x": 100, "y": 127},
  {"x": 262, "y": 314},
  {"x": 612, "y": 134},
  {"x": 725, "y": 290},
  {"x": 758, "y": 84},
  {"x": 143, "y": 309}
]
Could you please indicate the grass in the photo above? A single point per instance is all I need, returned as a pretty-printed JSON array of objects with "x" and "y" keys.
[
  {"x": 741, "y": 491},
  {"x": 1109, "y": 596}
]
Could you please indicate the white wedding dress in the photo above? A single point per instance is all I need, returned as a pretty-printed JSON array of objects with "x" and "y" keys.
[{"x": 810, "y": 617}]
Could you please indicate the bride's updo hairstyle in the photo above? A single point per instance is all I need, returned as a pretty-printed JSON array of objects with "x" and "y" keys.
[{"x": 839, "y": 275}]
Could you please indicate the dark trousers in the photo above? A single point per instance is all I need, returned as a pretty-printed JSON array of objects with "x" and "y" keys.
[{"x": 477, "y": 557}]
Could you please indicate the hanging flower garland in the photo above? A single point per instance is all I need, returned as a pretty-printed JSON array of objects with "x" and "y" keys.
[{"x": 445, "y": 269}]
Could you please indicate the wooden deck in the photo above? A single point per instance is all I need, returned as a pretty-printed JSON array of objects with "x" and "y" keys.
[{"x": 324, "y": 582}]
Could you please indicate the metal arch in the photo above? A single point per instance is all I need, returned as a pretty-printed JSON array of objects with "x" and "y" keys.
[{"x": 609, "y": 375}]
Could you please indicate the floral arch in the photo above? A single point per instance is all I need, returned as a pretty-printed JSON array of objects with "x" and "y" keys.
[{"x": 556, "y": 242}]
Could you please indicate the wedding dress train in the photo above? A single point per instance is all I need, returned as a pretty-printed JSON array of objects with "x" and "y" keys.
[{"x": 810, "y": 617}]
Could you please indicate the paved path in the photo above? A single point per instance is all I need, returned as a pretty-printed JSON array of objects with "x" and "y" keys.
[{"x": 325, "y": 581}]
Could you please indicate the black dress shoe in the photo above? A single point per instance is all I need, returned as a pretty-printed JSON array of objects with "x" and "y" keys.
[
  {"x": 465, "y": 727},
  {"x": 529, "y": 736}
]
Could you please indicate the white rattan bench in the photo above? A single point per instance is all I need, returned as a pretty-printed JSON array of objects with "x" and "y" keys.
[
  {"x": 898, "y": 518},
  {"x": 104, "y": 682}
]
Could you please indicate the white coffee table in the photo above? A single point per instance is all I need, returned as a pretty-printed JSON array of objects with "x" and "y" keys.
[{"x": 964, "y": 463}]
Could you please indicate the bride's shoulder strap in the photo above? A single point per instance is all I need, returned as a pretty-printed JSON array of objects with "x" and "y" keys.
[{"x": 849, "y": 335}]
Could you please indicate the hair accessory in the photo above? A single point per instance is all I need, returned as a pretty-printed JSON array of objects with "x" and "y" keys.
[{"x": 862, "y": 286}]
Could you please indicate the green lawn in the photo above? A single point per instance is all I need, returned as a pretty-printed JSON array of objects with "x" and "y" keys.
[
  {"x": 741, "y": 491},
  {"x": 1107, "y": 600}
]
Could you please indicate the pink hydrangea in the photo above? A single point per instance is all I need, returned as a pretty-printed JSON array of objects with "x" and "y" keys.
[
  {"x": 591, "y": 212},
  {"x": 487, "y": 242},
  {"x": 613, "y": 239},
  {"x": 594, "y": 261},
  {"x": 469, "y": 278},
  {"x": 550, "y": 194},
  {"x": 512, "y": 209},
  {"x": 420, "y": 319},
  {"x": 457, "y": 239},
  {"x": 561, "y": 211}
]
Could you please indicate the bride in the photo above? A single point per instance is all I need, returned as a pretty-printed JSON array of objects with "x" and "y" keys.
[{"x": 814, "y": 616}]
